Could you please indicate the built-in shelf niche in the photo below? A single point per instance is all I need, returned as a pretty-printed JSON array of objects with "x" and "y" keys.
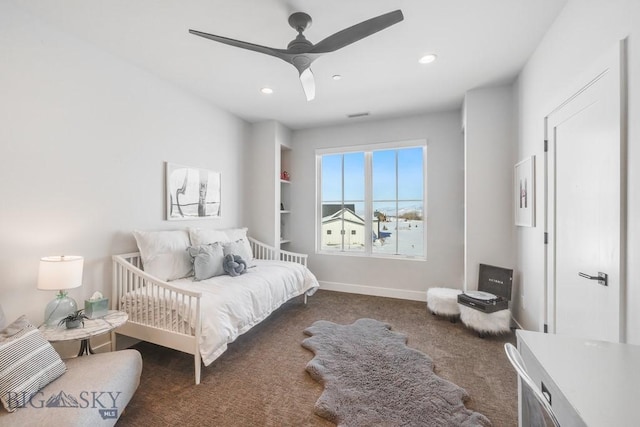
[{"x": 285, "y": 191}]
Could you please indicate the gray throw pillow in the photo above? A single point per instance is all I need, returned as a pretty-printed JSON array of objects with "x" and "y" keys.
[{"x": 207, "y": 260}]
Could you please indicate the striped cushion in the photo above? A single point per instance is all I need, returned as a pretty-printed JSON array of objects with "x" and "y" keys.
[{"x": 27, "y": 363}]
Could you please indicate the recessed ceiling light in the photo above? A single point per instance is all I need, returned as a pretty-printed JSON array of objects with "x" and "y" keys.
[
  {"x": 427, "y": 59},
  {"x": 336, "y": 77},
  {"x": 266, "y": 90}
]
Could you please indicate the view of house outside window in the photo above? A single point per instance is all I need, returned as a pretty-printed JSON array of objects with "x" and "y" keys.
[{"x": 372, "y": 201}]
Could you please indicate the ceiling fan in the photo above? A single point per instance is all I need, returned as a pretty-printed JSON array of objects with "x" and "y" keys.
[{"x": 301, "y": 52}]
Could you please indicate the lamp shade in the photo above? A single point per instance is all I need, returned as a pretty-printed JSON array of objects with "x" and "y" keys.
[{"x": 60, "y": 272}]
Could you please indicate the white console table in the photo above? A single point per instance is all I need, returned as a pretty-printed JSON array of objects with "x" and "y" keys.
[{"x": 592, "y": 383}]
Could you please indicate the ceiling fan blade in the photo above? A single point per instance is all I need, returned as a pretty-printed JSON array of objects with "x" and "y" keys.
[
  {"x": 308, "y": 85},
  {"x": 357, "y": 32},
  {"x": 278, "y": 53}
]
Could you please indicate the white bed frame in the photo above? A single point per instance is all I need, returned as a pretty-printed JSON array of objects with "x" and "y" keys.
[{"x": 164, "y": 330}]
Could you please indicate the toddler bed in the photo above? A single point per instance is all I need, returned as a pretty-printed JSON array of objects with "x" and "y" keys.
[{"x": 201, "y": 317}]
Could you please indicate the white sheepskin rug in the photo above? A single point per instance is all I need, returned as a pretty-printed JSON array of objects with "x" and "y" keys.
[
  {"x": 485, "y": 323},
  {"x": 443, "y": 301}
]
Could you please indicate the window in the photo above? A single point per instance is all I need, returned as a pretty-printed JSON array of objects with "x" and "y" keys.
[{"x": 372, "y": 200}]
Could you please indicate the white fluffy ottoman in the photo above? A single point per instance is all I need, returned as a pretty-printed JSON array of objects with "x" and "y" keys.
[
  {"x": 443, "y": 302},
  {"x": 484, "y": 324}
]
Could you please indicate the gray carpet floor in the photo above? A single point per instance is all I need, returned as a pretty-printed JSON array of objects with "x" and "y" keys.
[{"x": 261, "y": 379}]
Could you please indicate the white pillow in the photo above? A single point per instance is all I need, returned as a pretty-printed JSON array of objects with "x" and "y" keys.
[
  {"x": 206, "y": 236},
  {"x": 164, "y": 253},
  {"x": 234, "y": 234}
]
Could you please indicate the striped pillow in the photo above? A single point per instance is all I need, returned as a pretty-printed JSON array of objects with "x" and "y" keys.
[{"x": 27, "y": 363}]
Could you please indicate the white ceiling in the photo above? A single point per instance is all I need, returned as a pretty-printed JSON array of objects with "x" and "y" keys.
[{"x": 478, "y": 43}]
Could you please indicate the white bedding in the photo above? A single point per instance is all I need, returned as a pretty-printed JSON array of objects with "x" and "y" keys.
[{"x": 230, "y": 306}]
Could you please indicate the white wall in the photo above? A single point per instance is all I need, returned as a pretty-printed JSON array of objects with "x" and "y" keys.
[
  {"x": 397, "y": 278},
  {"x": 263, "y": 171},
  {"x": 584, "y": 29},
  {"x": 262, "y": 158},
  {"x": 489, "y": 158},
  {"x": 82, "y": 141}
]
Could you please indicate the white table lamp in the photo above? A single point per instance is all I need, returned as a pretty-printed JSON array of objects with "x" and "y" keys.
[{"x": 59, "y": 273}]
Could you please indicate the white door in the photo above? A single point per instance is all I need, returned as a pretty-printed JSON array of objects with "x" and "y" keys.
[{"x": 586, "y": 207}]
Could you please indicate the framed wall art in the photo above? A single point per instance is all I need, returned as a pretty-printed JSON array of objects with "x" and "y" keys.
[
  {"x": 192, "y": 193},
  {"x": 525, "y": 195}
]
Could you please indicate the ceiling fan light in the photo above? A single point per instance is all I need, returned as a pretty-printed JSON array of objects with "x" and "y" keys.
[
  {"x": 266, "y": 90},
  {"x": 428, "y": 59}
]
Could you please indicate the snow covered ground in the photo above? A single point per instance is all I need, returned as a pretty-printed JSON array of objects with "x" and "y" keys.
[{"x": 409, "y": 238}]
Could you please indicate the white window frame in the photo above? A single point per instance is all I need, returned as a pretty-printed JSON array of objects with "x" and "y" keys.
[{"x": 368, "y": 154}]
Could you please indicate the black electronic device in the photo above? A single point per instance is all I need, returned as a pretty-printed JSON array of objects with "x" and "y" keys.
[{"x": 494, "y": 290}]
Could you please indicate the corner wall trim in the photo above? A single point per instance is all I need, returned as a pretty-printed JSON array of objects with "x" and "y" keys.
[
  {"x": 375, "y": 291},
  {"x": 515, "y": 323}
]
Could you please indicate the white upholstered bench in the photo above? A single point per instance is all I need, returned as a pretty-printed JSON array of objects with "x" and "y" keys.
[
  {"x": 444, "y": 302},
  {"x": 484, "y": 324}
]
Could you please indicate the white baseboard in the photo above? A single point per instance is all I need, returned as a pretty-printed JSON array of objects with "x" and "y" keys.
[
  {"x": 123, "y": 341},
  {"x": 385, "y": 292},
  {"x": 515, "y": 323},
  {"x": 375, "y": 291},
  {"x": 105, "y": 347}
]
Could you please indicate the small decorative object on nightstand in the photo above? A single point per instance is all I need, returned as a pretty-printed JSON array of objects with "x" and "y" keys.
[
  {"x": 60, "y": 273},
  {"x": 97, "y": 306},
  {"x": 73, "y": 320}
]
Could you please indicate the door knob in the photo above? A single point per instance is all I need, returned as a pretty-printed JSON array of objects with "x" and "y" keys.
[{"x": 602, "y": 278}]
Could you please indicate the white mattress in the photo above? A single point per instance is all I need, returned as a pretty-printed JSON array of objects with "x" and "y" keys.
[{"x": 230, "y": 306}]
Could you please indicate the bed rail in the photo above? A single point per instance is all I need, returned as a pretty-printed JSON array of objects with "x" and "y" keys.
[
  {"x": 158, "y": 312},
  {"x": 263, "y": 251}
]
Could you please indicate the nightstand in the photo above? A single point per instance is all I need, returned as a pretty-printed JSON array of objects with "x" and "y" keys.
[{"x": 92, "y": 328}]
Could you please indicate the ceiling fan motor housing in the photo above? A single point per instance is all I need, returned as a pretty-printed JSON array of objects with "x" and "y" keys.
[{"x": 300, "y": 44}]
